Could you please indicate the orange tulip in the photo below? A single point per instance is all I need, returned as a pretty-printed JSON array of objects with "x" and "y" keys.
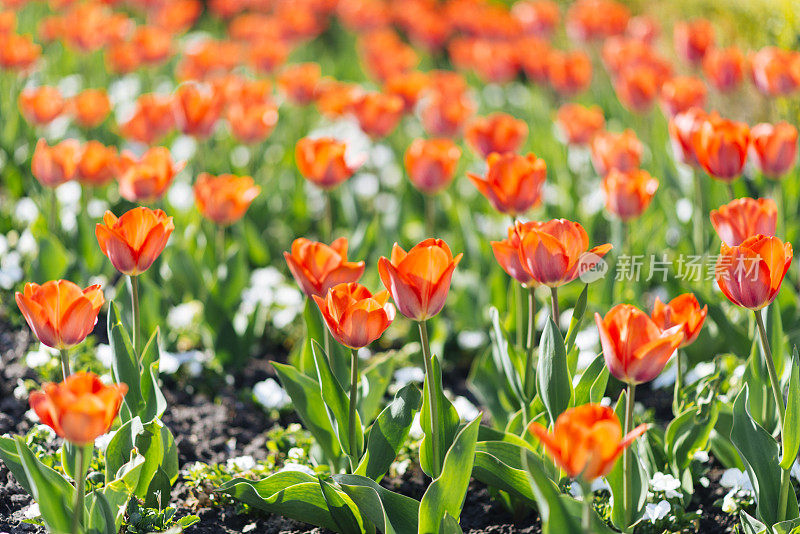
[
  {"x": 589, "y": 20},
  {"x": 147, "y": 179},
  {"x": 683, "y": 310},
  {"x": 419, "y": 279},
  {"x": 743, "y": 218},
  {"x": 721, "y": 146},
  {"x": 443, "y": 114},
  {"x": 197, "y": 109},
  {"x": 252, "y": 123},
  {"x": 324, "y": 161},
  {"x": 80, "y": 409},
  {"x": 224, "y": 199},
  {"x": 724, "y": 67},
  {"x": 431, "y": 163},
  {"x": 299, "y": 82},
  {"x": 513, "y": 183},
  {"x": 682, "y": 128},
  {"x": 634, "y": 347},
  {"x": 497, "y": 132},
  {"x": 750, "y": 274},
  {"x": 774, "y": 148},
  {"x": 8, "y": 22},
  {"x": 506, "y": 252},
  {"x": 693, "y": 39},
  {"x": 569, "y": 73},
  {"x": 628, "y": 193},
  {"x": 41, "y": 105},
  {"x": 681, "y": 93},
  {"x": 267, "y": 55},
  {"x": 90, "y": 107},
  {"x": 18, "y": 52},
  {"x": 536, "y": 59},
  {"x": 775, "y": 71},
  {"x": 334, "y": 98},
  {"x": 152, "y": 44},
  {"x": 134, "y": 241},
  {"x": 643, "y": 28},
  {"x": 409, "y": 86},
  {"x": 377, "y": 113},
  {"x": 556, "y": 252},
  {"x": 586, "y": 440},
  {"x": 318, "y": 267},
  {"x": 176, "y": 16},
  {"x": 60, "y": 313},
  {"x": 57, "y": 164},
  {"x": 579, "y": 124},
  {"x": 537, "y": 17},
  {"x": 637, "y": 87},
  {"x": 355, "y": 316},
  {"x": 97, "y": 165},
  {"x": 152, "y": 119},
  {"x": 621, "y": 151}
]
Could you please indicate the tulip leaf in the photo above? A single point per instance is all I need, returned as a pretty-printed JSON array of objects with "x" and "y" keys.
[
  {"x": 338, "y": 404},
  {"x": 69, "y": 459},
  {"x": 639, "y": 478},
  {"x": 124, "y": 364},
  {"x": 751, "y": 525},
  {"x": 689, "y": 432},
  {"x": 307, "y": 401},
  {"x": 446, "y": 493},
  {"x": 448, "y": 423},
  {"x": 343, "y": 511},
  {"x": 577, "y": 317},
  {"x": 777, "y": 341},
  {"x": 498, "y": 465},
  {"x": 790, "y": 434},
  {"x": 449, "y": 525},
  {"x": 502, "y": 358},
  {"x": 592, "y": 383},
  {"x": 375, "y": 381},
  {"x": 154, "y": 403},
  {"x": 10, "y": 457},
  {"x": 389, "y": 432},
  {"x": 100, "y": 518},
  {"x": 391, "y": 513},
  {"x": 759, "y": 452},
  {"x": 52, "y": 261},
  {"x": 555, "y": 517},
  {"x": 552, "y": 376}
]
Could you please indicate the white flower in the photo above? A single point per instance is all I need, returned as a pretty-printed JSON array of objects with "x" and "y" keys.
[
  {"x": 31, "y": 512},
  {"x": 701, "y": 456},
  {"x": 69, "y": 193},
  {"x": 10, "y": 270},
  {"x": 26, "y": 210},
  {"x": 96, "y": 208},
  {"x": 735, "y": 479},
  {"x": 294, "y": 466},
  {"x": 401, "y": 467},
  {"x": 406, "y": 375},
  {"x": 296, "y": 453},
  {"x": 41, "y": 356},
  {"x": 181, "y": 196},
  {"x": 184, "y": 315},
  {"x": 241, "y": 463},
  {"x": 666, "y": 484},
  {"x": 656, "y": 512},
  {"x": 415, "y": 432},
  {"x": 104, "y": 354},
  {"x": 466, "y": 410},
  {"x": 103, "y": 441},
  {"x": 729, "y": 503},
  {"x": 269, "y": 394},
  {"x": 471, "y": 339}
]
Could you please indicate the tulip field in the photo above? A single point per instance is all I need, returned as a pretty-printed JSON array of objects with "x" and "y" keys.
[{"x": 399, "y": 266}]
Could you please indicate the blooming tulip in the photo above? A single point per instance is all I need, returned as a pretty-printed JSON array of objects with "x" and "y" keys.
[
  {"x": 147, "y": 179},
  {"x": 197, "y": 109},
  {"x": 299, "y": 82},
  {"x": 252, "y": 123},
  {"x": 569, "y": 73},
  {"x": 41, "y": 105},
  {"x": 774, "y": 148},
  {"x": 324, "y": 161},
  {"x": 409, "y": 86},
  {"x": 628, "y": 193},
  {"x": 506, "y": 252},
  {"x": 318, "y": 267},
  {"x": 721, "y": 146},
  {"x": 431, "y": 163},
  {"x": 513, "y": 183},
  {"x": 724, "y": 68},
  {"x": 97, "y": 165},
  {"x": 775, "y": 71},
  {"x": 498, "y": 132},
  {"x": 57, "y": 164},
  {"x": 224, "y": 199},
  {"x": 579, "y": 124},
  {"x": 18, "y": 52},
  {"x": 355, "y": 317},
  {"x": 444, "y": 114},
  {"x": 377, "y": 113},
  {"x": 419, "y": 279},
  {"x": 750, "y": 274},
  {"x": 693, "y": 39},
  {"x": 621, "y": 151},
  {"x": 596, "y": 19},
  {"x": 682, "y": 128},
  {"x": 682, "y": 93},
  {"x": 683, "y": 310},
  {"x": 90, "y": 107},
  {"x": 152, "y": 119},
  {"x": 743, "y": 218},
  {"x": 637, "y": 87},
  {"x": 537, "y": 17},
  {"x": 133, "y": 241}
]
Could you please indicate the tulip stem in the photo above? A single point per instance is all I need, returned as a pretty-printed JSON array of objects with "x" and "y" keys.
[
  {"x": 676, "y": 396},
  {"x": 220, "y": 244},
  {"x": 699, "y": 220},
  {"x": 65, "y": 369},
  {"x": 80, "y": 488},
  {"x": 588, "y": 497},
  {"x": 434, "y": 401},
  {"x": 554, "y": 299},
  {"x": 626, "y": 458},
  {"x": 53, "y": 211},
  {"x": 518, "y": 312},
  {"x": 731, "y": 192},
  {"x": 136, "y": 318},
  {"x": 355, "y": 453},
  {"x": 779, "y": 406},
  {"x": 430, "y": 215},
  {"x": 328, "y": 223}
]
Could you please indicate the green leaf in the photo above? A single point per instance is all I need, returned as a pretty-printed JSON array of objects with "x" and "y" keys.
[
  {"x": 552, "y": 376},
  {"x": 777, "y": 340},
  {"x": 498, "y": 464},
  {"x": 375, "y": 381},
  {"x": 689, "y": 432},
  {"x": 338, "y": 404},
  {"x": 340, "y": 509},
  {"x": 446, "y": 493},
  {"x": 790, "y": 434},
  {"x": 69, "y": 459},
  {"x": 52, "y": 261},
  {"x": 389, "y": 432},
  {"x": 307, "y": 401},
  {"x": 100, "y": 517},
  {"x": 639, "y": 480},
  {"x": 154, "y": 402},
  {"x": 390, "y": 512},
  {"x": 124, "y": 365},
  {"x": 449, "y": 525},
  {"x": 577, "y": 317},
  {"x": 555, "y": 517},
  {"x": 591, "y": 383},
  {"x": 10, "y": 456},
  {"x": 448, "y": 423},
  {"x": 502, "y": 358}
]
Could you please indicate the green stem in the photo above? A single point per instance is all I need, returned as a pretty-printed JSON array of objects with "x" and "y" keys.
[
  {"x": 676, "y": 397},
  {"x": 53, "y": 211},
  {"x": 65, "y": 369},
  {"x": 220, "y": 244},
  {"x": 627, "y": 491},
  {"x": 430, "y": 215},
  {"x": 80, "y": 489},
  {"x": 137, "y": 341},
  {"x": 328, "y": 223},
  {"x": 586, "y": 517},
  {"x": 528, "y": 378},
  {"x": 554, "y": 302},
  {"x": 731, "y": 192},
  {"x": 699, "y": 220},
  {"x": 518, "y": 312},
  {"x": 433, "y": 404},
  {"x": 355, "y": 453}
]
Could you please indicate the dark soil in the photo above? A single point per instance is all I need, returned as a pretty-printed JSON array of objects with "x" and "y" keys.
[{"x": 213, "y": 421}]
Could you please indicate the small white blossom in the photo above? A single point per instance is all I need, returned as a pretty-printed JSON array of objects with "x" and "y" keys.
[
  {"x": 269, "y": 394},
  {"x": 103, "y": 441},
  {"x": 294, "y": 466},
  {"x": 656, "y": 512},
  {"x": 729, "y": 504},
  {"x": 31, "y": 511},
  {"x": 241, "y": 463},
  {"x": 41, "y": 356},
  {"x": 415, "y": 432},
  {"x": 736, "y": 479},
  {"x": 701, "y": 456},
  {"x": 296, "y": 453},
  {"x": 26, "y": 210},
  {"x": 666, "y": 484},
  {"x": 184, "y": 315},
  {"x": 406, "y": 375}
]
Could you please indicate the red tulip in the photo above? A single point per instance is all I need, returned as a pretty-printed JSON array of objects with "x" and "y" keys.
[
  {"x": 431, "y": 163},
  {"x": 513, "y": 183},
  {"x": 693, "y": 39},
  {"x": 682, "y": 129},
  {"x": 743, "y": 218},
  {"x": 355, "y": 316},
  {"x": 323, "y": 161},
  {"x": 621, "y": 151},
  {"x": 318, "y": 267},
  {"x": 684, "y": 311},
  {"x": 724, "y": 68},
  {"x": 506, "y": 252},
  {"x": 134, "y": 241},
  {"x": 774, "y": 148},
  {"x": 682, "y": 93},
  {"x": 750, "y": 274},
  {"x": 57, "y": 164},
  {"x": 628, "y": 193},
  {"x": 721, "y": 146},
  {"x": 579, "y": 124},
  {"x": 498, "y": 132}
]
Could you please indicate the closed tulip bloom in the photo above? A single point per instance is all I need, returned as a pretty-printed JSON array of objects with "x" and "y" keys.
[
  {"x": 569, "y": 73},
  {"x": 637, "y": 88},
  {"x": 506, "y": 252},
  {"x": 628, "y": 193},
  {"x": 90, "y": 107},
  {"x": 513, "y": 183},
  {"x": 498, "y": 132},
  {"x": 355, "y": 316},
  {"x": 153, "y": 44},
  {"x": 60, "y": 313},
  {"x": 419, "y": 279},
  {"x": 643, "y": 28},
  {"x": 684, "y": 311},
  {"x": 299, "y": 82},
  {"x": 586, "y": 440},
  {"x": 743, "y": 218},
  {"x": 724, "y": 68},
  {"x": 318, "y": 267},
  {"x": 134, "y": 241},
  {"x": 324, "y": 161},
  {"x": 147, "y": 179},
  {"x": 721, "y": 146},
  {"x": 431, "y": 163},
  {"x": 224, "y": 199},
  {"x": 693, "y": 39},
  {"x": 621, "y": 151},
  {"x": 634, "y": 347},
  {"x": 97, "y": 165},
  {"x": 751, "y": 273},
  {"x": 18, "y": 52},
  {"x": 41, "y": 105},
  {"x": 80, "y": 409},
  {"x": 682, "y": 128},
  {"x": 152, "y": 118},
  {"x": 775, "y": 71},
  {"x": 589, "y": 20},
  {"x": 55, "y": 165},
  {"x": 377, "y": 113},
  {"x": 252, "y": 123},
  {"x": 537, "y": 17},
  {"x": 579, "y": 124},
  {"x": 444, "y": 114},
  {"x": 409, "y": 86},
  {"x": 682, "y": 93},
  {"x": 774, "y": 148},
  {"x": 197, "y": 109}
]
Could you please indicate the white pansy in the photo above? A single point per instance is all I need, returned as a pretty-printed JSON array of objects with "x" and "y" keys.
[
  {"x": 736, "y": 479},
  {"x": 666, "y": 484},
  {"x": 269, "y": 394},
  {"x": 656, "y": 512}
]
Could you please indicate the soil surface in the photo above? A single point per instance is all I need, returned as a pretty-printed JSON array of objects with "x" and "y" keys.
[{"x": 214, "y": 422}]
